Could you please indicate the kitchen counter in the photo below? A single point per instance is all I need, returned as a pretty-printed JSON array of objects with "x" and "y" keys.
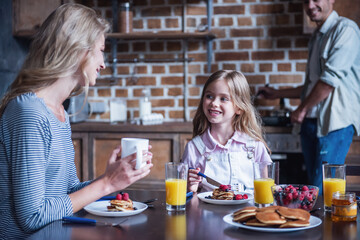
[{"x": 177, "y": 127}]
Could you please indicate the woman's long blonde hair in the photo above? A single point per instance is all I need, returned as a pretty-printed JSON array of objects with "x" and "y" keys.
[
  {"x": 248, "y": 121},
  {"x": 56, "y": 50}
]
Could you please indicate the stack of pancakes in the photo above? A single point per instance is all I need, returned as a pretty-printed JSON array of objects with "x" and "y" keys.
[
  {"x": 273, "y": 216},
  {"x": 222, "y": 195},
  {"x": 120, "y": 205}
]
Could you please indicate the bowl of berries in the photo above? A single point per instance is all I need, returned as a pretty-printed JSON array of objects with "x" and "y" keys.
[{"x": 295, "y": 195}]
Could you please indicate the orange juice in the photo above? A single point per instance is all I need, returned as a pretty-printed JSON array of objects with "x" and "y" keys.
[
  {"x": 332, "y": 185},
  {"x": 262, "y": 190},
  {"x": 175, "y": 191}
]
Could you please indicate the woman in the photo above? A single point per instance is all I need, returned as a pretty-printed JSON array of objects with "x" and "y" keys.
[{"x": 38, "y": 176}]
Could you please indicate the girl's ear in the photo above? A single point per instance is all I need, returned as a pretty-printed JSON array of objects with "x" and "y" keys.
[{"x": 238, "y": 111}]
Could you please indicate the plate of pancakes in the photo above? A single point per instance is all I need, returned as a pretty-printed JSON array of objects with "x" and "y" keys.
[
  {"x": 100, "y": 208},
  {"x": 272, "y": 219},
  {"x": 206, "y": 197}
]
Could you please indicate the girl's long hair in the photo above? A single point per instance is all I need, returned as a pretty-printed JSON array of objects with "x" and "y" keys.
[
  {"x": 248, "y": 121},
  {"x": 66, "y": 35}
]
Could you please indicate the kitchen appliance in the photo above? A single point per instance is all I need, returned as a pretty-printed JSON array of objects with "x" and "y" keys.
[
  {"x": 77, "y": 109},
  {"x": 286, "y": 149},
  {"x": 279, "y": 116}
]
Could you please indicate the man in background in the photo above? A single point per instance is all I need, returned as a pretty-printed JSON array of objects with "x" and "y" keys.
[{"x": 329, "y": 112}]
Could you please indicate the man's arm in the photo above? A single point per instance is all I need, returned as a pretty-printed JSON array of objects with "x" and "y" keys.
[
  {"x": 320, "y": 91},
  {"x": 272, "y": 93}
]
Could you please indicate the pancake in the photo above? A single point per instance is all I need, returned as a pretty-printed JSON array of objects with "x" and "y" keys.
[
  {"x": 121, "y": 205},
  {"x": 268, "y": 209},
  {"x": 296, "y": 214},
  {"x": 245, "y": 209},
  {"x": 256, "y": 223},
  {"x": 222, "y": 195},
  {"x": 242, "y": 217},
  {"x": 270, "y": 218},
  {"x": 295, "y": 224}
]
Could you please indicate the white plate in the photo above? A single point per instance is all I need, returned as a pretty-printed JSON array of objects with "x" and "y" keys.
[
  {"x": 314, "y": 222},
  {"x": 99, "y": 208},
  {"x": 202, "y": 196}
]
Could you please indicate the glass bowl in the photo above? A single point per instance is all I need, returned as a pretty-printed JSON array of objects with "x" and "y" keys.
[{"x": 295, "y": 195}]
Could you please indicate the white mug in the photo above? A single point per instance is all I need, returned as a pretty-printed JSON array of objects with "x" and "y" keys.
[{"x": 134, "y": 145}]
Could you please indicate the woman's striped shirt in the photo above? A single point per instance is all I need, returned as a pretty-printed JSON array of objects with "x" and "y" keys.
[{"x": 37, "y": 167}]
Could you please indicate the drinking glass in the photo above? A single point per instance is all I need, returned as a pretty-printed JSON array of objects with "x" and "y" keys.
[
  {"x": 264, "y": 178},
  {"x": 333, "y": 181},
  {"x": 175, "y": 185}
]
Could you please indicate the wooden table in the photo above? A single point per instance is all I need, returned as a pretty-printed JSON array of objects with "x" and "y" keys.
[{"x": 199, "y": 221}]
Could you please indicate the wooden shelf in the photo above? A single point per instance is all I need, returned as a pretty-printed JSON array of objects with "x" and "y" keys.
[{"x": 162, "y": 35}]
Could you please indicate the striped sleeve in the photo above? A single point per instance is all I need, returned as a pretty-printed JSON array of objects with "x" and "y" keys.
[{"x": 31, "y": 137}]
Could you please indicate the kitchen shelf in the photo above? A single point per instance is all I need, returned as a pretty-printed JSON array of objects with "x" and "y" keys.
[
  {"x": 161, "y": 35},
  {"x": 183, "y": 35}
]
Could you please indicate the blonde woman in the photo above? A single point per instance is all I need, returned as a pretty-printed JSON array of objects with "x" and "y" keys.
[
  {"x": 38, "y": 176},
  {"x": 227, "y": 136}
]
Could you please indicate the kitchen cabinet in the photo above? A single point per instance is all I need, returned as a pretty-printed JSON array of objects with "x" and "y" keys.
[
  {"x": 29, "y": 15},
  {"x": 94, "y": 142}
]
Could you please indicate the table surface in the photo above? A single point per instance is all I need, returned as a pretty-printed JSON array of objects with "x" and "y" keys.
[{"x": 200, "y": 221}]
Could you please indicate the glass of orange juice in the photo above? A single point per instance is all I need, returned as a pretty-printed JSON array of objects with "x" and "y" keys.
[
  {"x": 333, "y": 180},
  {"x": 175, "y": 185},
  {"x": 264, "y": 178}
]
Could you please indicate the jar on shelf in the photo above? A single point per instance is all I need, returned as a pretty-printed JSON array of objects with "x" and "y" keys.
[
  {"x": 125, "y": 18},
  {"x": 145, "y": 104}
]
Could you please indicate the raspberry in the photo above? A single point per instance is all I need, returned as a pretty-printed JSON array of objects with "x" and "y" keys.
[
  {"x": 223, "y": 187},
  {"x": 309, "y": 197},
  {"x": 245, "y": 196},
  {"x": 125, "y": 196},
  {"x": 305, "y": 188},
  {"x": 295, "y": 195},
  {"x": 119, "y": 197},
  {"x": 238, "y": 197},
  {"x": 289, "y": 196}
]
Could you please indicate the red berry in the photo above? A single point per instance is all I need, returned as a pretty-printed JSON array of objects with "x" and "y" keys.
[
  {"x": 238, "y": 197},
  {"x": 289, "y": 196},
  {"x": 245, "y": 196},
  {"x": 125, "y": 196},
  {"x": 119, "y": 197},
  {"x": 295, "y": 195},
  {"x": 309, "y": 197},
  {"x": 223, "y": 187},
  {"x": 229, "y": 187},
  {"x": 305, "y": 188}
]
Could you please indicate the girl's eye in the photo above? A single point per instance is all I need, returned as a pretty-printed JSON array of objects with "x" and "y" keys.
[
  {"x": 224, "y": 99},
  {"x": 208, "y": 96}
]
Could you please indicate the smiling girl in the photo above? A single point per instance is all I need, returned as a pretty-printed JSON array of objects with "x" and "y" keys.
[{"x": 227, "y": 136}]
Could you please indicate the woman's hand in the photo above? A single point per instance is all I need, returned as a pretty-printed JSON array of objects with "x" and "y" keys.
[
  {"x": 194, "y": 179},
  {"x": 121, "y": 172}
]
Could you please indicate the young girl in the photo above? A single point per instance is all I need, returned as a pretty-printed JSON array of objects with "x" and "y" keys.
[{"x": 227, "y": 136}]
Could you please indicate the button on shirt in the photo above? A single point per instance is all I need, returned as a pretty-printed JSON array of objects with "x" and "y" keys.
[
  {"x": 338, "y": 64},
  {"x": 227, "y": 164}
]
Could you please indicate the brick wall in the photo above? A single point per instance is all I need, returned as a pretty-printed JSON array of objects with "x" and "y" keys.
[{"x": 262, "y": 38}]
